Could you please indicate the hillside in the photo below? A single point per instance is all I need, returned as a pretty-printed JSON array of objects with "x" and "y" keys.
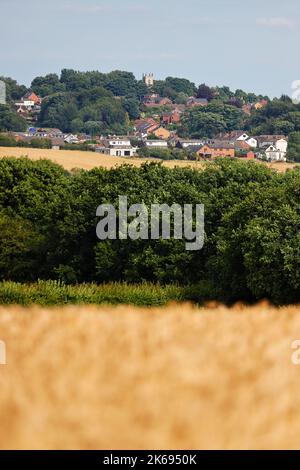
[{"x": 88, "y": 106}]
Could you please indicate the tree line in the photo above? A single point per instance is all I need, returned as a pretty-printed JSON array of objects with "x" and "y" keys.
[
  {"x": 252, "y": 220},
  {"x": 98, "y": 103},
  {"x": 95, "y": 102}
]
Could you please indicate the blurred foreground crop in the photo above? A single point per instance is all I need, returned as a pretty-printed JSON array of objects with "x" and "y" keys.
[{"x": 133, "y": 378}]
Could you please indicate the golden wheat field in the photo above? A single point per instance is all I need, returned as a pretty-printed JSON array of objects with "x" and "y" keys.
[
  {"x": 128, "y": 378},
  {"x": 71, "y": 159}
]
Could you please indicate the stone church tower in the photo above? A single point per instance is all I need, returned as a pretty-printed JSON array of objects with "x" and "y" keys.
[{"x": 148, "y": 79}]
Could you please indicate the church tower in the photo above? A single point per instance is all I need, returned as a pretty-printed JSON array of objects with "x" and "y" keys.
[{"x": 148, "y": 79}]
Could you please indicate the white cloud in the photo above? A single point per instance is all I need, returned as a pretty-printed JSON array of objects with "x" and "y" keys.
[{"x": 276, "y": 22}]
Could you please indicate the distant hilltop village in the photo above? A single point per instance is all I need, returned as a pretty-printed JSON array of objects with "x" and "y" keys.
[{"x": 120, "y": 115}]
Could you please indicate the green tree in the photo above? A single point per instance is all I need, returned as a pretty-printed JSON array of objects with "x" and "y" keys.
[
  {"x": 48, "y": 85},
  {"x": 10, "y": 120},
  {"x": 205, "y": 92}
]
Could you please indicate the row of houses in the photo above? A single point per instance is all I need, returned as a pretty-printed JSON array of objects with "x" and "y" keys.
[
  {"x": 156, "y": 101},
  {"x": 269, "y": 147},
  {"x": 153, "y": 100},
  {"x": 143, "y": 128},
  {"x": 56, "y": 136},
  {"x": 239, "y": 142},
  {"x": 235, "y": 144}
]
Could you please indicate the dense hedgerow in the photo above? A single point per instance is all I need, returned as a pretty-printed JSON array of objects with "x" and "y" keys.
[
  {"x": 57, "y": 293},
  {"x": 252, "y": 221}
]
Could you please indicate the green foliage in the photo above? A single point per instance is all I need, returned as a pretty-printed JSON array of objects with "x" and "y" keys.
[
  {"x": 7, "y": 141},
  {"x": 93, "y": 111},
  {"x": 294, "y": 147},
  {"x": 40, "y": 143},
  {"x": 101, "y": 103},
  {"x": 20, "y": 246},
  {"x": 181, "y": 85},
  {"x": 47, "y": 293},
  {"x": 252, "y": 222},
  {"x": 14, "y": 91},
  {"x": 205, "y": 92},
  {"x": 11, "y": 121},
  {"x": 203, "y": 124},
  {"x": 280, "y": 116},
  {"x": 48, "y": 85},
  {"x": 58, "y": 111},
  {"x": 164, "y": 153},
  {"x": 174, "y": 88},
  {"x": 212, "y": 119}
]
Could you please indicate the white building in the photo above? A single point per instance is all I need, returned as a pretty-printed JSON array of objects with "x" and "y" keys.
[
  {"x": 252, "y": 142},
  {"x": 242, "y": 137},
  {"x": 117, "y": 147},
  {"x": 274, "y": 154},
  {"x": 71, "y": 139},
  {"x": 156, "y": 143},
  {"x": 126, "y": 151},
  {"x": 282, "y": 145},
  {"x": 190, "y": 143},
  {"x": 119, "y": 142}
]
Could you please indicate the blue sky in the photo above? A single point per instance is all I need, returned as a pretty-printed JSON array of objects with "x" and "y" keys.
[{"x": 253, "y": 45}]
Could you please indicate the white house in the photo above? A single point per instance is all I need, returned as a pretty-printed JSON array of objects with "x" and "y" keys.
[
  {"x": 156, "y": 143},
  {"x": 27, "y": 104},
  {"x": 190, "y": 143},
  {"x": 266, "y": 140},
  {"x": 275, "y": 155},
  {"x": 119, "y": 142},
  {"x": 282, "y": 145},
  {"x": 71, "y": 139},
  {"x": 116, "y": 147},
  {"x": 243, "y": 136},
  {"x": 252, "y": 142},
  {"x": 125, "y": 151}
]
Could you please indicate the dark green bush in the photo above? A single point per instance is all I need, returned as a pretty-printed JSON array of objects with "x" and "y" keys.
[{"x": 252, "y": 226}]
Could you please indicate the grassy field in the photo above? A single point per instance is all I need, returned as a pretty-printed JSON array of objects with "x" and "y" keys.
[
  {"x": 71, "y": 159},
  {"x": 128, "y": 378},
  {"x": 50, "y": 293}
]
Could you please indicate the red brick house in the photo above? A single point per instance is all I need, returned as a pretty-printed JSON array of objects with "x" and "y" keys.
[
  {"x": 31, "y": 96},
  {"x": 172, "y": 118},
  {"x": 155, "y": 101},
  {"x": 217, "y": 149}
]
